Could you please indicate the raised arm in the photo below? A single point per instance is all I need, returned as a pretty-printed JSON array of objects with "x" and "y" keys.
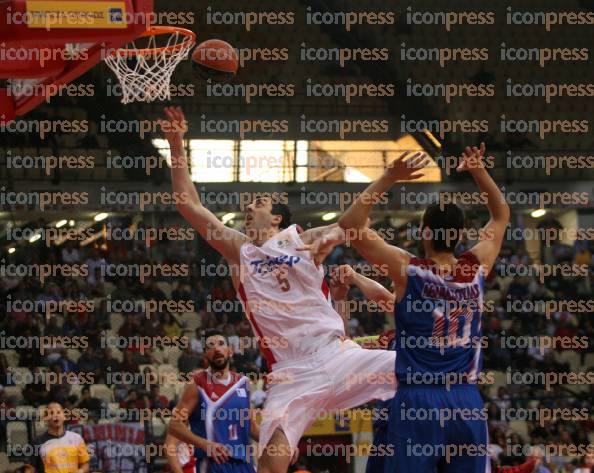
[
  {"x": 223, "y": 239},
  {"x": 391, "y": 259},
  {"x": 492, "y": 234},
  {"x": 320, "y": 241},
  {"x": 403, "y": 168},
  {"x": 374, "y": 292},
  {"x": 344, "y": 276}
]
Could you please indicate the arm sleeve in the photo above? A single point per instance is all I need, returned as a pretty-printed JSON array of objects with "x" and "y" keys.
[{"x": 83, "y": 454}]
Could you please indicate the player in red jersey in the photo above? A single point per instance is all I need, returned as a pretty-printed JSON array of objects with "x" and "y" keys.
[{"x": 314, "y": 368}]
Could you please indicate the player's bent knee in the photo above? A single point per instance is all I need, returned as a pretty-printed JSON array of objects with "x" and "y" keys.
[{"x": 276, "y": 456}]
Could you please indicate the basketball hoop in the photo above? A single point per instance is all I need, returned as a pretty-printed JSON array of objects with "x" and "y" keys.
[{"x": 145, "y": 72}]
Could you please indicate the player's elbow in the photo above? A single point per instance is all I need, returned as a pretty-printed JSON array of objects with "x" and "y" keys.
[
  {"x": 173, "y": 427},
  {"x": 186, "y": 209},
  {"x": 504, "y": 213}
]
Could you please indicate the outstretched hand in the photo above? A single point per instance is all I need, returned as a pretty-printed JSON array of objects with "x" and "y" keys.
[
  {"x": 174, "y": 126},
  {"x": 341, "y": 278},
  {"x": 318, "y": 249},
  {"x": 406, "y": 167},
  {"x": 472, "y": 159}
]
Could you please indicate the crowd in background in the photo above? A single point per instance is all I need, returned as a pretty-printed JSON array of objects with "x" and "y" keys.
[{"x": 500, "y": 325}]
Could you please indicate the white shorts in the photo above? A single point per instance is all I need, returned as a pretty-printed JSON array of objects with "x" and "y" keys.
[{"x": 340, "y": 376}]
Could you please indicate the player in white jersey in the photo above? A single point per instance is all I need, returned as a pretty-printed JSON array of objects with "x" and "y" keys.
[{"x": 314, "y": 368}]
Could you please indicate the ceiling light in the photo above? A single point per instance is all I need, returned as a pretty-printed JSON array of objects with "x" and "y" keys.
[
  {"x": 228, "y": 217},
  {"x": 538, "y": 213}
]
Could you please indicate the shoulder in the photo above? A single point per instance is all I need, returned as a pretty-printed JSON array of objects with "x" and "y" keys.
[
  {"x": 468, "y": 257},
  {"x": 423, "y": 263},
  {"x": 74, "y": 435},
  {"x": 238, "y": 377},
  {"x": 468, "y": 267},
  {"x": 73, "y": 438},
  {"x": 41, "y": 439},
  {"x": 200, "y": 378}
]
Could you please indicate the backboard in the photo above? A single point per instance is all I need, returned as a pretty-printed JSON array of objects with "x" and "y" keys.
[{"x": 45, "y": 44}]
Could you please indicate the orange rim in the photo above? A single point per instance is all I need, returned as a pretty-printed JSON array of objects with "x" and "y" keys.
[{"x": 156, "y": 31}]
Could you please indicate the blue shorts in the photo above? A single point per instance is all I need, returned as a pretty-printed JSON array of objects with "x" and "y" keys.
[
  {"x": 375, "y": 463},
  {"x": 377, "y": 459},
  {"x": 232, "y": 466},
  {"x": 423, "y": 443}
]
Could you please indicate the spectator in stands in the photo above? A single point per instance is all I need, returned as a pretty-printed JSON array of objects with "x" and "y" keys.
[
  {"x": 170, "y": 325},
  {"x": 517, "y": 289},
  {"x": 154, "y": 327},
  {"x": 146, "y": 356},
  {"x": 132, "y": 401},
  {"x": 66, "y": 364},
  {"x": 69, "y": 406},
  {"x": 70, "y": 253},
  {"x": 152, "y": 292},
  {"x": 89, "y": 362},
  {"x": 199, "y": 295},
  {"x": 129, "y": 365},
  {"x": 5, "y": 377},
  {"x": 586, "y": 464},
  {"x": 189, "y": 361},
  {"x": 71, "y": 326},
  {"x": 92, "y": 329},
  {"x": 51, "y": 328},
  {"x": 5, "y": 404},
  {"x": 181, "y": 292},
  {"x": 158, "y": 400},
  {"x": 50, "y": 293},
  {"x": 223, "y": 291},
  {"x": 232, "y": 339},
  {"x": 93, "y": 262},
  {"x": 196, "y": 342},
  {"x": 10, "y": 326},
  {"x": 502, "y": 399},
  {"x": 495, "y": 419},
  {"x": 130, "y": 327},
  {"x": 121, "y": 293},
  {"x": 535, "y": 453},
  {"x": 92, "y": 404},
  {"x": 96, "y": 282},
  {"x": 108, "y": 365},
  {"x": 34, "y": 392},
  {"x": 60, "y": 389}
]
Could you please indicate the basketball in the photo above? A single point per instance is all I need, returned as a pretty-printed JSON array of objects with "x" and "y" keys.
[{"x": 215, "y": 59}]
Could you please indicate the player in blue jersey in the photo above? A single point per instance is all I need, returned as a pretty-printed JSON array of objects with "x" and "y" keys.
[
  {"x": 216, "y": 406},
  {"x": 342, "y": 278},
  {"x": 437, "y": 422}
]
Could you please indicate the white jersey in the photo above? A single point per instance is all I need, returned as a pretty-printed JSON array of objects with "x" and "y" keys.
[{"x": 286, "y": 298}]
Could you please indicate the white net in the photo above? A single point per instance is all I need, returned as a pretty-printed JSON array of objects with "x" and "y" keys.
[{"x": 145, "y": 72}]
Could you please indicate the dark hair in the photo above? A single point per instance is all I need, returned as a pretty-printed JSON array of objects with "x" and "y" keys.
[
  {"x": 284, "y": 211},
  {"x": 446, "y": 225},
  {"x": 211, "y": 332}
]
